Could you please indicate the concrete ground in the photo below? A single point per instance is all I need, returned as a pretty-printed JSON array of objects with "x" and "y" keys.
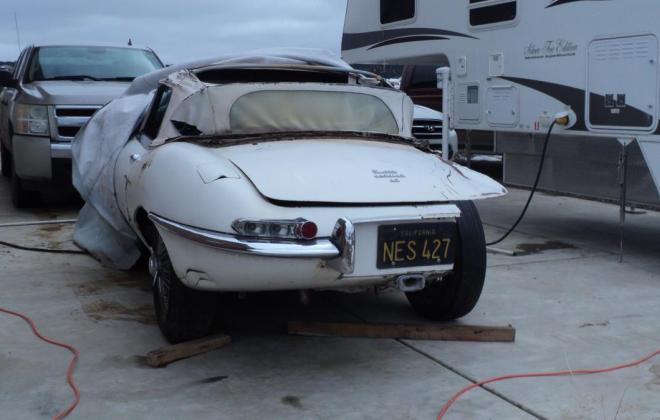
[{"x": 573, "y": 304}]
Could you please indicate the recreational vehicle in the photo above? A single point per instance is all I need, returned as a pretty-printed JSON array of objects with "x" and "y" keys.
[{"x": 516, "y": 64}]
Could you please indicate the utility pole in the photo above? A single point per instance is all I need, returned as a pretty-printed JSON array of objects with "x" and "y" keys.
[{"x": 18, "y": 33}]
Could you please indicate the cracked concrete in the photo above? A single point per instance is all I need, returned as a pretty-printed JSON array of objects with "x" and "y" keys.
[{"x": 573, "y": 304}]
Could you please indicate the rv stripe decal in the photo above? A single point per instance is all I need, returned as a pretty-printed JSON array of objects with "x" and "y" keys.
[
  {"x": 626, "y": 116},
  {"x": 352, "y": 41},
  {"x": 575, "y": 98},
  {"x": 406, "y": 39},
  {"x": 560, "y": 2},
  {"x": 568, "y": 95}
]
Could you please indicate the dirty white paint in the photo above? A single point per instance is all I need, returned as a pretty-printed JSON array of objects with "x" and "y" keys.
[{"x": 210, "y": 186}]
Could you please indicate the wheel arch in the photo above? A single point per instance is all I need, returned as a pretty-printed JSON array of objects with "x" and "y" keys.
[{"x": 146, "y": 228}]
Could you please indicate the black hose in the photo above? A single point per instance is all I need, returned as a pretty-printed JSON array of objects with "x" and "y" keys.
[
  {"x": 531, "y": 195},
  {"x": 45, "y": 250},
  {"x": 35, "y": 249}
]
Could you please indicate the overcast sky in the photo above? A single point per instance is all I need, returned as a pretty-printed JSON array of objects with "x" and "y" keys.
[{"x": 177, "y": 31}]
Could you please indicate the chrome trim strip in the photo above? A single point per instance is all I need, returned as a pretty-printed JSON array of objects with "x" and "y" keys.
[
  {"x": 449, "y": 216},
  {"x": 60, "y": 150},
  {"x": 56, "y": 121},
  {"x": 320, "y": 248},
  {"x": 71, "y": 121}
]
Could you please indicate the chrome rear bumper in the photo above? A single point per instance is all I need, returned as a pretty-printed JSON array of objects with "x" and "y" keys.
[{"x": 319, "y": 248}]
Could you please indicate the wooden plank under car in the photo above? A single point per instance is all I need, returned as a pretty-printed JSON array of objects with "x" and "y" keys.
[
  {"x": 442, "y": 332},
  {"x": 166, "y": 355}
]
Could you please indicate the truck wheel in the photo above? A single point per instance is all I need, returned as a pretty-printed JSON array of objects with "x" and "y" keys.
[
  {"x": 457, "y": 294},
  {"x": 182, "y": 313},
  {"x": 20, "y": 197},
  {"x": 5, "y": 161}
]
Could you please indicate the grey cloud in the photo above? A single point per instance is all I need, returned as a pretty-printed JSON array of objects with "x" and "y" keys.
[{"x": 178, "y": 31}]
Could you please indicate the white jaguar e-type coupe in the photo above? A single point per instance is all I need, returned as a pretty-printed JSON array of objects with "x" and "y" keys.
[{"x": 277, "y": 172}]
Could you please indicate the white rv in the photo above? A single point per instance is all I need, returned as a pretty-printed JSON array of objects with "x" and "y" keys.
[{"x": 515, "y": 64}]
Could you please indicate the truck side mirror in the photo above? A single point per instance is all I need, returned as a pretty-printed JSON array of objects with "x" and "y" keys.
[{"x": 7, "y": 79}]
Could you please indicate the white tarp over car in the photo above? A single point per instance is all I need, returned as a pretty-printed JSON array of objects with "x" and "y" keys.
[{"x": 101, "y": 228}]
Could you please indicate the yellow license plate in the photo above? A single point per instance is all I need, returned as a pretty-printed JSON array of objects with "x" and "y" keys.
[{"x": 415, "y": 245}]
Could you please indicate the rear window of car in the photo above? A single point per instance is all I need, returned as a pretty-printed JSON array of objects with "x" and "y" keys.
[
  {"x": 268, "y": 111},
  {"x": 90, "y": 63}
]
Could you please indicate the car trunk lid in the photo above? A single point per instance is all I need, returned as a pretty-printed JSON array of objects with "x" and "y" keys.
[{"x": 355, "y": 172}]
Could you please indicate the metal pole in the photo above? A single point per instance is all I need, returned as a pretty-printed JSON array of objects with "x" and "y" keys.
[
  {"x": 443, "y": 74},
  {"x": 623, "y": 186},
  {"x": 18, "y": 33}
]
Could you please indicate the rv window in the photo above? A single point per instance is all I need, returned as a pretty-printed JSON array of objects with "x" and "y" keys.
[
  {"x": 501, "y": 11},
  {"x": 396, "y": 10}
]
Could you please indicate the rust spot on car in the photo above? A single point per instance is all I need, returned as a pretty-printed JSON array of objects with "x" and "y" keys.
[{"x": 146, "y": 165}]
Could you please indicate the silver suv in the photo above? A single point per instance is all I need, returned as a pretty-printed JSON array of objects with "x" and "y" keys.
[{"x": 52, "y": 92}]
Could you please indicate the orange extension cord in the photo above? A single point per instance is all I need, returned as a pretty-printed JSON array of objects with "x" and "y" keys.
[
  {"x": 72, "y": 364},
  {"x": 468, "y": 388},
  {"x": 445, "y": 408}
]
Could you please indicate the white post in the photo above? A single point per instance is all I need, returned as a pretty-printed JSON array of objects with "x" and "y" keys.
[{"x": 443, "y": 74}]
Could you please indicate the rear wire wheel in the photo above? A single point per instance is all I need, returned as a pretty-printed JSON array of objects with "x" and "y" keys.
[
  {"x": 182, "y": 313},
  {"x": 458, "y": 292}
]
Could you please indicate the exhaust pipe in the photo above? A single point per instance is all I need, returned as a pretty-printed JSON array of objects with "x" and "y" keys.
[{"x": 411, "y": 283}]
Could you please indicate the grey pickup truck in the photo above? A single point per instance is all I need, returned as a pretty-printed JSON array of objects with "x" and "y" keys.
[{"x": 52, "y": 92}]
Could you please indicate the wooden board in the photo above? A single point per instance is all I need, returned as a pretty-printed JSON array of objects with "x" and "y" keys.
[
  {"x": 443, "y": 332},
  {"x": 166, "y": 355}
]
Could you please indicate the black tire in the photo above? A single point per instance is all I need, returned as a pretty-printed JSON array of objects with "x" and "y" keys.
[
  {"x": 5, "y": 161},
  {"x": 182, "y": 313},
  {"x": 457, "y": 294},
  {"x": 20, "y": 197}
]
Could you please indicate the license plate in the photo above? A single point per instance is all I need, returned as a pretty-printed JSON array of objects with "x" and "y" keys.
[{"x": 416, "y": 245}]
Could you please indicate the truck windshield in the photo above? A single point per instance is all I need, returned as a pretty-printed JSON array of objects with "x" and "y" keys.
[{"x": 91, "y": 63}]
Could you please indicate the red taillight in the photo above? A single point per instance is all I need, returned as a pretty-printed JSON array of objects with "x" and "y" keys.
[
  {"x": 309, "y": 230},
  {"x": 283, "y": 229}
]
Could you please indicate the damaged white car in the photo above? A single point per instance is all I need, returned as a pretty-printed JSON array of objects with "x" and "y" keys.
[{"x": 277, "y": 171}]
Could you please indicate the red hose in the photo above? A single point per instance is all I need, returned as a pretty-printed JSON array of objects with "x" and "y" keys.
[
  {"x": 69, "y": 371},
  {"x": 470, "y": 387}
]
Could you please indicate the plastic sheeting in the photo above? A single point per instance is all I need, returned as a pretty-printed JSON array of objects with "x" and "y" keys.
[{"x": 101, "y": 228}]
